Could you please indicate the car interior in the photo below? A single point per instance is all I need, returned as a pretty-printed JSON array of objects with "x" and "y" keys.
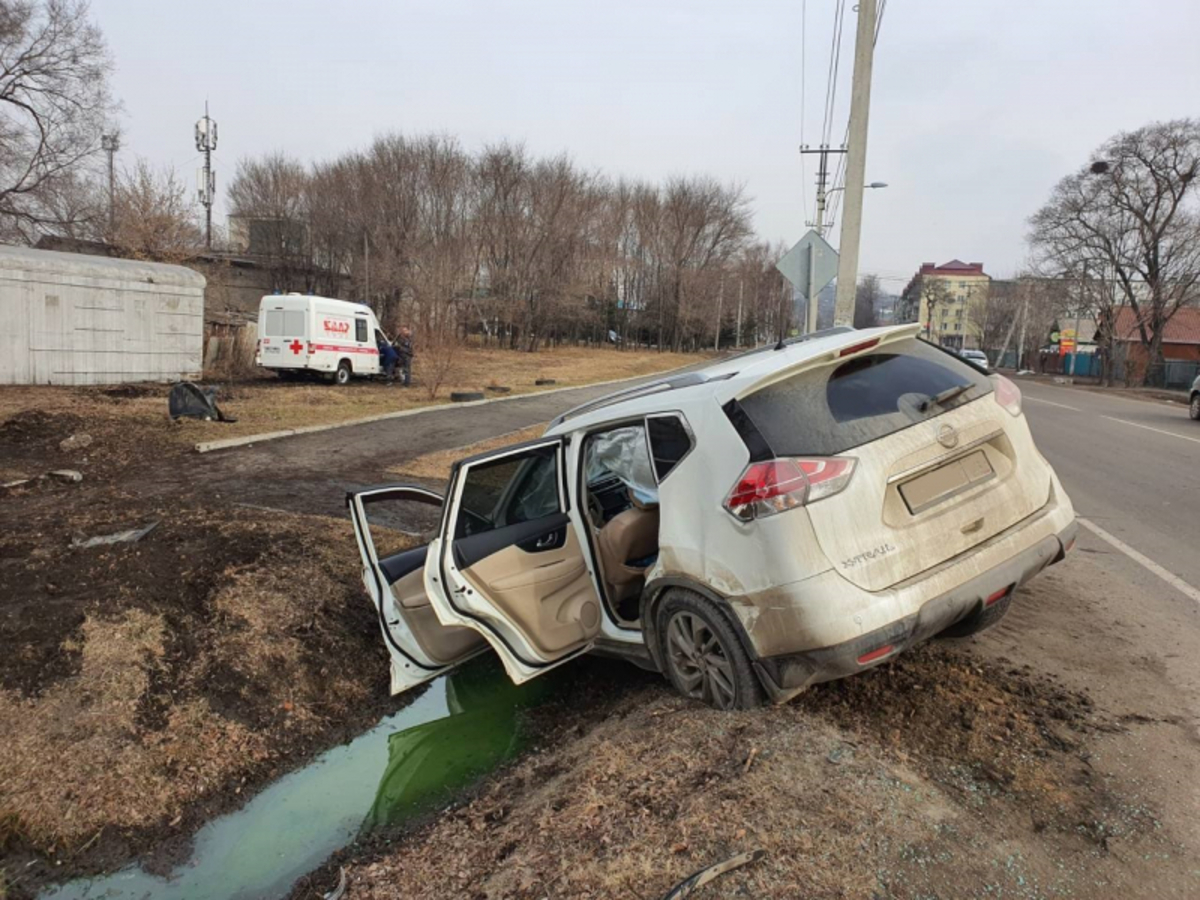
[
  {"x": 403, "y": 569},
  {"x": 514, "y": 544},
  {"x": 622, "y": 513}
]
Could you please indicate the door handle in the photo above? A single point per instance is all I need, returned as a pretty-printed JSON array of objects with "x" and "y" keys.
[{"x": 546, "y": 541}]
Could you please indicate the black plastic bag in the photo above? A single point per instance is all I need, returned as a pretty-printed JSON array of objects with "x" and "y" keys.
[{"x": 190, "y": 401}]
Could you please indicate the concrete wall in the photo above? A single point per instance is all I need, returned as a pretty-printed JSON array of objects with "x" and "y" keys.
[{"x": 68, "y": 318}]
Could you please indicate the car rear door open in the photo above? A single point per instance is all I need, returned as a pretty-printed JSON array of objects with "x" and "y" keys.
[
  {"x": 511, "y": 564},
  {"x": 388, "y": 523}
]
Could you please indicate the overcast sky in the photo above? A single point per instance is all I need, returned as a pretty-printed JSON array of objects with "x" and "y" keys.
[{"x": 978, "y": 106}]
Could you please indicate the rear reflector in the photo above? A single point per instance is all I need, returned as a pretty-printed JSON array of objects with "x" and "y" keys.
[
  {"x": 878, "y": 653},
  {"x": 770, "y": 487},
  {"x": 858, "y": 348},
  {"x": 999, "y": 595},
  {"x": 1007, "y": 394}
]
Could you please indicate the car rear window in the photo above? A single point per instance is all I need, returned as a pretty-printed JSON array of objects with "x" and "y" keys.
[{"x": 826, "y": 411}]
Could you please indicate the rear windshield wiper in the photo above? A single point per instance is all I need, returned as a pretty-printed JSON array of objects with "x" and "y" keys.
[{"x": 940, "y": 398}]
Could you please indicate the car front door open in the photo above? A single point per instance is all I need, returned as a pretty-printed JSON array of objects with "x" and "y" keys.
[
  {"x": 389, "y": 523},
  {"x": 511, "y": 565}
]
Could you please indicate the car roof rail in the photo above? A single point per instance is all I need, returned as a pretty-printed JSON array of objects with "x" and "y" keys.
[{"x": 674, "y": 383}]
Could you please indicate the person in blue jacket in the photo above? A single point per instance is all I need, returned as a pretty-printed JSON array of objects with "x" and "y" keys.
[{"x": 387, "y": 357}]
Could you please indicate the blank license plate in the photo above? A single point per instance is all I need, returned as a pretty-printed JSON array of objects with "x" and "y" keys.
[{"x": 943, "y": 483}]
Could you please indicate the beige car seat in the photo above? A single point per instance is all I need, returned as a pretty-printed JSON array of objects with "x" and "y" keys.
[{"x": 629, "y": 536}]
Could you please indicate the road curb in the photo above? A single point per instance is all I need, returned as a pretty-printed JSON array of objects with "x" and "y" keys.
[{"x": 228, "y": 443}]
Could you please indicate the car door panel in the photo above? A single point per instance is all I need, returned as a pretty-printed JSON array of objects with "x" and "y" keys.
[
  {"x": 469, "y": 550},
  {"x": 516, "y": 571},
  {"x": 399, "y": 565},
  {"x": 419, "y": 645},
  {"x": 547, "y": 594},
  {"x": 438, "y": 641}
]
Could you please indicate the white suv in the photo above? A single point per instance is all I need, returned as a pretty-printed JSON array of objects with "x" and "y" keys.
[{"x": 788, "y": 516}]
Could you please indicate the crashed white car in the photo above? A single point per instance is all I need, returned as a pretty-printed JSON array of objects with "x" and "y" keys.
[{"x": 784, "y": 517}]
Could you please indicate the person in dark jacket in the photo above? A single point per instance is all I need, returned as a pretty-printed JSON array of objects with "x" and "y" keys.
[
  {"x": 387, "y": 357},
  {"x": 405, "y": 353}
]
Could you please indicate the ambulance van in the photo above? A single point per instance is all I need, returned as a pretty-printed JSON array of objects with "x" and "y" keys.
[{"x": 299, "y": 333}]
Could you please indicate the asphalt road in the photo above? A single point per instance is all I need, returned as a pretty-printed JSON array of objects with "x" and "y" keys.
[
  {"x": 1131, "y": 467},
  {"x": 311, "y": 472}
]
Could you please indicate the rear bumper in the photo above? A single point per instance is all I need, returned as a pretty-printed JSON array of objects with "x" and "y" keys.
[{"x": 784, "y": 675}]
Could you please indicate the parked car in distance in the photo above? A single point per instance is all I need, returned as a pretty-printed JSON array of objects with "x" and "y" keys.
[
  {"x": 302, "y": 333},
  {"x": 1194, "y": 400},
  {"x": 795, "y": 514},
  {"x": 978, "y": 357}
]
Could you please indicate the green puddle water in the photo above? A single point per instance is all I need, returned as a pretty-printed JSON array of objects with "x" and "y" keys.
[{"x": 461, "y": 727}]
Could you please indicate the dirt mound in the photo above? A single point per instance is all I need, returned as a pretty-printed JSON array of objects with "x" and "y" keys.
[
  {"x": 120, "y": 392},
  {"x": 35, "y": 429},
  {"x": 149, "y": 685},
  {"x": 660, "y": 788},
  {"x": 945, "y": 707}
]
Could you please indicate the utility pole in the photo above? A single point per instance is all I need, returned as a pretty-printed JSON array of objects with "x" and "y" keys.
[
  {"x": 819, "y": 226},
  {"x": 737, "y": 338},
  {"x": 206, "y": 143},
  {"x": 1078, "y": 313},
  {"x": 856, "y": 164},
  {"x": 720, "y": 303},
  {"x": 110, "y": 144},
  {"x": 1024, "y": 319}
]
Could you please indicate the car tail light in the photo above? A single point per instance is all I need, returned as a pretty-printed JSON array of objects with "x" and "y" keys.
[
  {"x": 858, "y": 348},
  {"x": 770, "y": 487},
  {"x": 1007, "y": 395}
]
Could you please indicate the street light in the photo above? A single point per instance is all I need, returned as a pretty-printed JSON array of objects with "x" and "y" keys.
[{"x": 874, "y": 185}]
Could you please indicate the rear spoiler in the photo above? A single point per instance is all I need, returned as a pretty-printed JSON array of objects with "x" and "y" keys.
[{"x": 852, "y": 343}]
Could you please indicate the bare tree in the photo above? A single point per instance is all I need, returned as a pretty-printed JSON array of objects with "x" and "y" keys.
[
  {"x": 54, "y": 100},
  {"x": 935, "y": 294},
  {"x": 992, "y": 314},
  {"x": 1131, "y": 216},
  {"x": 865, "y": 297},
  {"x": 152, "y": 218},
  {"x": 269, "y": 200},
  {"x": 506, "y": 243}
]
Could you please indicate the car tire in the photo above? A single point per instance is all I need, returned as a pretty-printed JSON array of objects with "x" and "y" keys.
[
  {"x": 1194, "y": 408},
  {"x": 342, "y": 375},
  {"x": 722, "y": 676},
  {"x": 980, "y": 620}
]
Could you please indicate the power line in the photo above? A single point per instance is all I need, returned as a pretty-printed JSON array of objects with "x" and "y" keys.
[
  {"x": 803, "y": 94},
  {"x": 840, "y": 173},
  {"x": 835, "y": 57}
]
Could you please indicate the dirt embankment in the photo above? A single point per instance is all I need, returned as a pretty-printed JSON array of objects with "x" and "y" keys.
[
  {"x": 933, "y": 776},
  {"x": 146, "y": 686}
]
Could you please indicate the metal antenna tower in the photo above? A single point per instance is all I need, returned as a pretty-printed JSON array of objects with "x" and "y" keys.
[{"x": 206, "y": 179}]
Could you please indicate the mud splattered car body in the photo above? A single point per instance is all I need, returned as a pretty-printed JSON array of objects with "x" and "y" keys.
[{"x": 783, "y": 517}]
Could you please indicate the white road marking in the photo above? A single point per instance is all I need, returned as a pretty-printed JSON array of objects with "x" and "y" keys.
[
  {"x": 1182, "y": 437},
  {"x": 1051, "y": 403},
  {"x": 1146, "y": 562}
]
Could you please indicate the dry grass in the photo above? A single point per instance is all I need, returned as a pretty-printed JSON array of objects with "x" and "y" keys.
[
  {"x": 180, "y": 697},
  {"x": 978, "y": 787},
  {"x": 658, "y": 791},
  {"x": 436, "y": 466},
  {"x": 135, "y": 422}
]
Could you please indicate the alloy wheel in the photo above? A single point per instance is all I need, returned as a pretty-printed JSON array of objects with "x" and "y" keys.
[{"x": 699, "y": 661}]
